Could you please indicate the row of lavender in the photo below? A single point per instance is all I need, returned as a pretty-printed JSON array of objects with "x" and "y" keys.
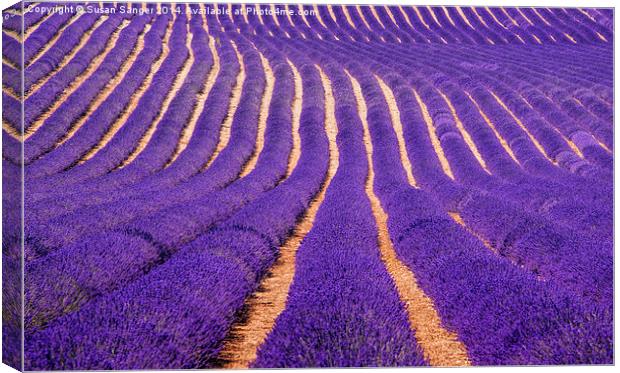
[
  {"x": 12, "y": 174},
  {"x": 140, "y": 225}
]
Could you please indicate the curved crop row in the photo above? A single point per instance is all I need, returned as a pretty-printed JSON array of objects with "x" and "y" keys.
[{"x": 261, "y": 185}]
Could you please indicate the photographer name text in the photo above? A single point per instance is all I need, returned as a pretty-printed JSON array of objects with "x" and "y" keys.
[{"x": 166, "y": 9}]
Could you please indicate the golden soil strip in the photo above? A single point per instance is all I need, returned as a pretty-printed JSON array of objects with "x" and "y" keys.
[
  {"x": 398, "y": 129},
  {"x": 288, "y": 15},
  {"x": 275, "y": 17},
  {"x": 458, "y": 219},
  {"x": 303, "y": 15},
  {"x": 135, "y": 99},
  {"x": 90, "y": 70},
  {"x": 318, "y": 15},
  {"x": 376, "y": 15},
  {"x": 602, "y": 145},
  {"x": 514, "y": 22},
  {"x": 445, "y": 165},
  {"x": 391, "y": 15},
  {"x": 36, "y": 25},
  {"x": 479, "y": 16},
  {"x": 245, "y": 14},
  {"x": 440, "y": 346},
  {"x": 492, "y": 126},
  {"x": 290, "y": 19},
  {"x": 462, "y": 14},
  {"x": 53, "y": 41},
  {"x": 348, "y": 16},
  {"x": 108, "y": 89},
  {"x": 494, "y": 18},
  {"x": 569, "y": 142},
  {"x": 587, "y": 14},
  {"x": 296, "y": 107},
  {"x": 406, "y": 16},
  {"x": 16, "y": 12},
  {"x": 9, "y": 63},
  {"x": 445, "y": 10},
  {"x": 570, "y": 38},
  {"x": 176, "y": 86},
  {"x": 10, "y": 92},
  {"x": 262, "y": 117},
  {"x": 230, "y": 13},
  {"x": 232, "y": 109},
  {"x": 201, "y": 99},
  {"x": 83, "y": 41},
  {"x": 579, "y": 102},
  {"x": 524, "y": 16},
  {"x": 332, "y": 14},
  {"x": 219, "y": 18},
  {"x": 203, "y": 15},
  {"x": 501, "y": 24},
  {"x": 523, "y": 127},
  {"x": 361, "y": 14},
  {"x": 417, "y": 11},
  {"x": 269, "y": 301},
  {"x": 537, "y": 39},
  {"x": 13, "y": 34},
  {"x": 258, "y": 11},
  {"x": 541, "y": 17},
  {"x": 604, "y": 100},
  {"x": 466, "y": 136},
  {"x": 601, "y": 37},
  {"x": 432, "y": 12},
  {"x": 572, "y": 145},
  {"x": 11, "y": 131}
]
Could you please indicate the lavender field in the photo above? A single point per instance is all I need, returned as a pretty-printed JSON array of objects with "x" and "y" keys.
[{"x": 217, "y": 185}]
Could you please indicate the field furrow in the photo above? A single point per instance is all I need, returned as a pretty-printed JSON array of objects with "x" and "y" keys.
[{"x": 304, "y": 185}]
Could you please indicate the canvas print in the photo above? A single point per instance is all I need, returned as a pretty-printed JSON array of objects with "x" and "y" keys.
[{"x": 213, "y": 185}]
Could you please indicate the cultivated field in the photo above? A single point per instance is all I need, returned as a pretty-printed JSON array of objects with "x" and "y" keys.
[{"x": 298, "y": 186}]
